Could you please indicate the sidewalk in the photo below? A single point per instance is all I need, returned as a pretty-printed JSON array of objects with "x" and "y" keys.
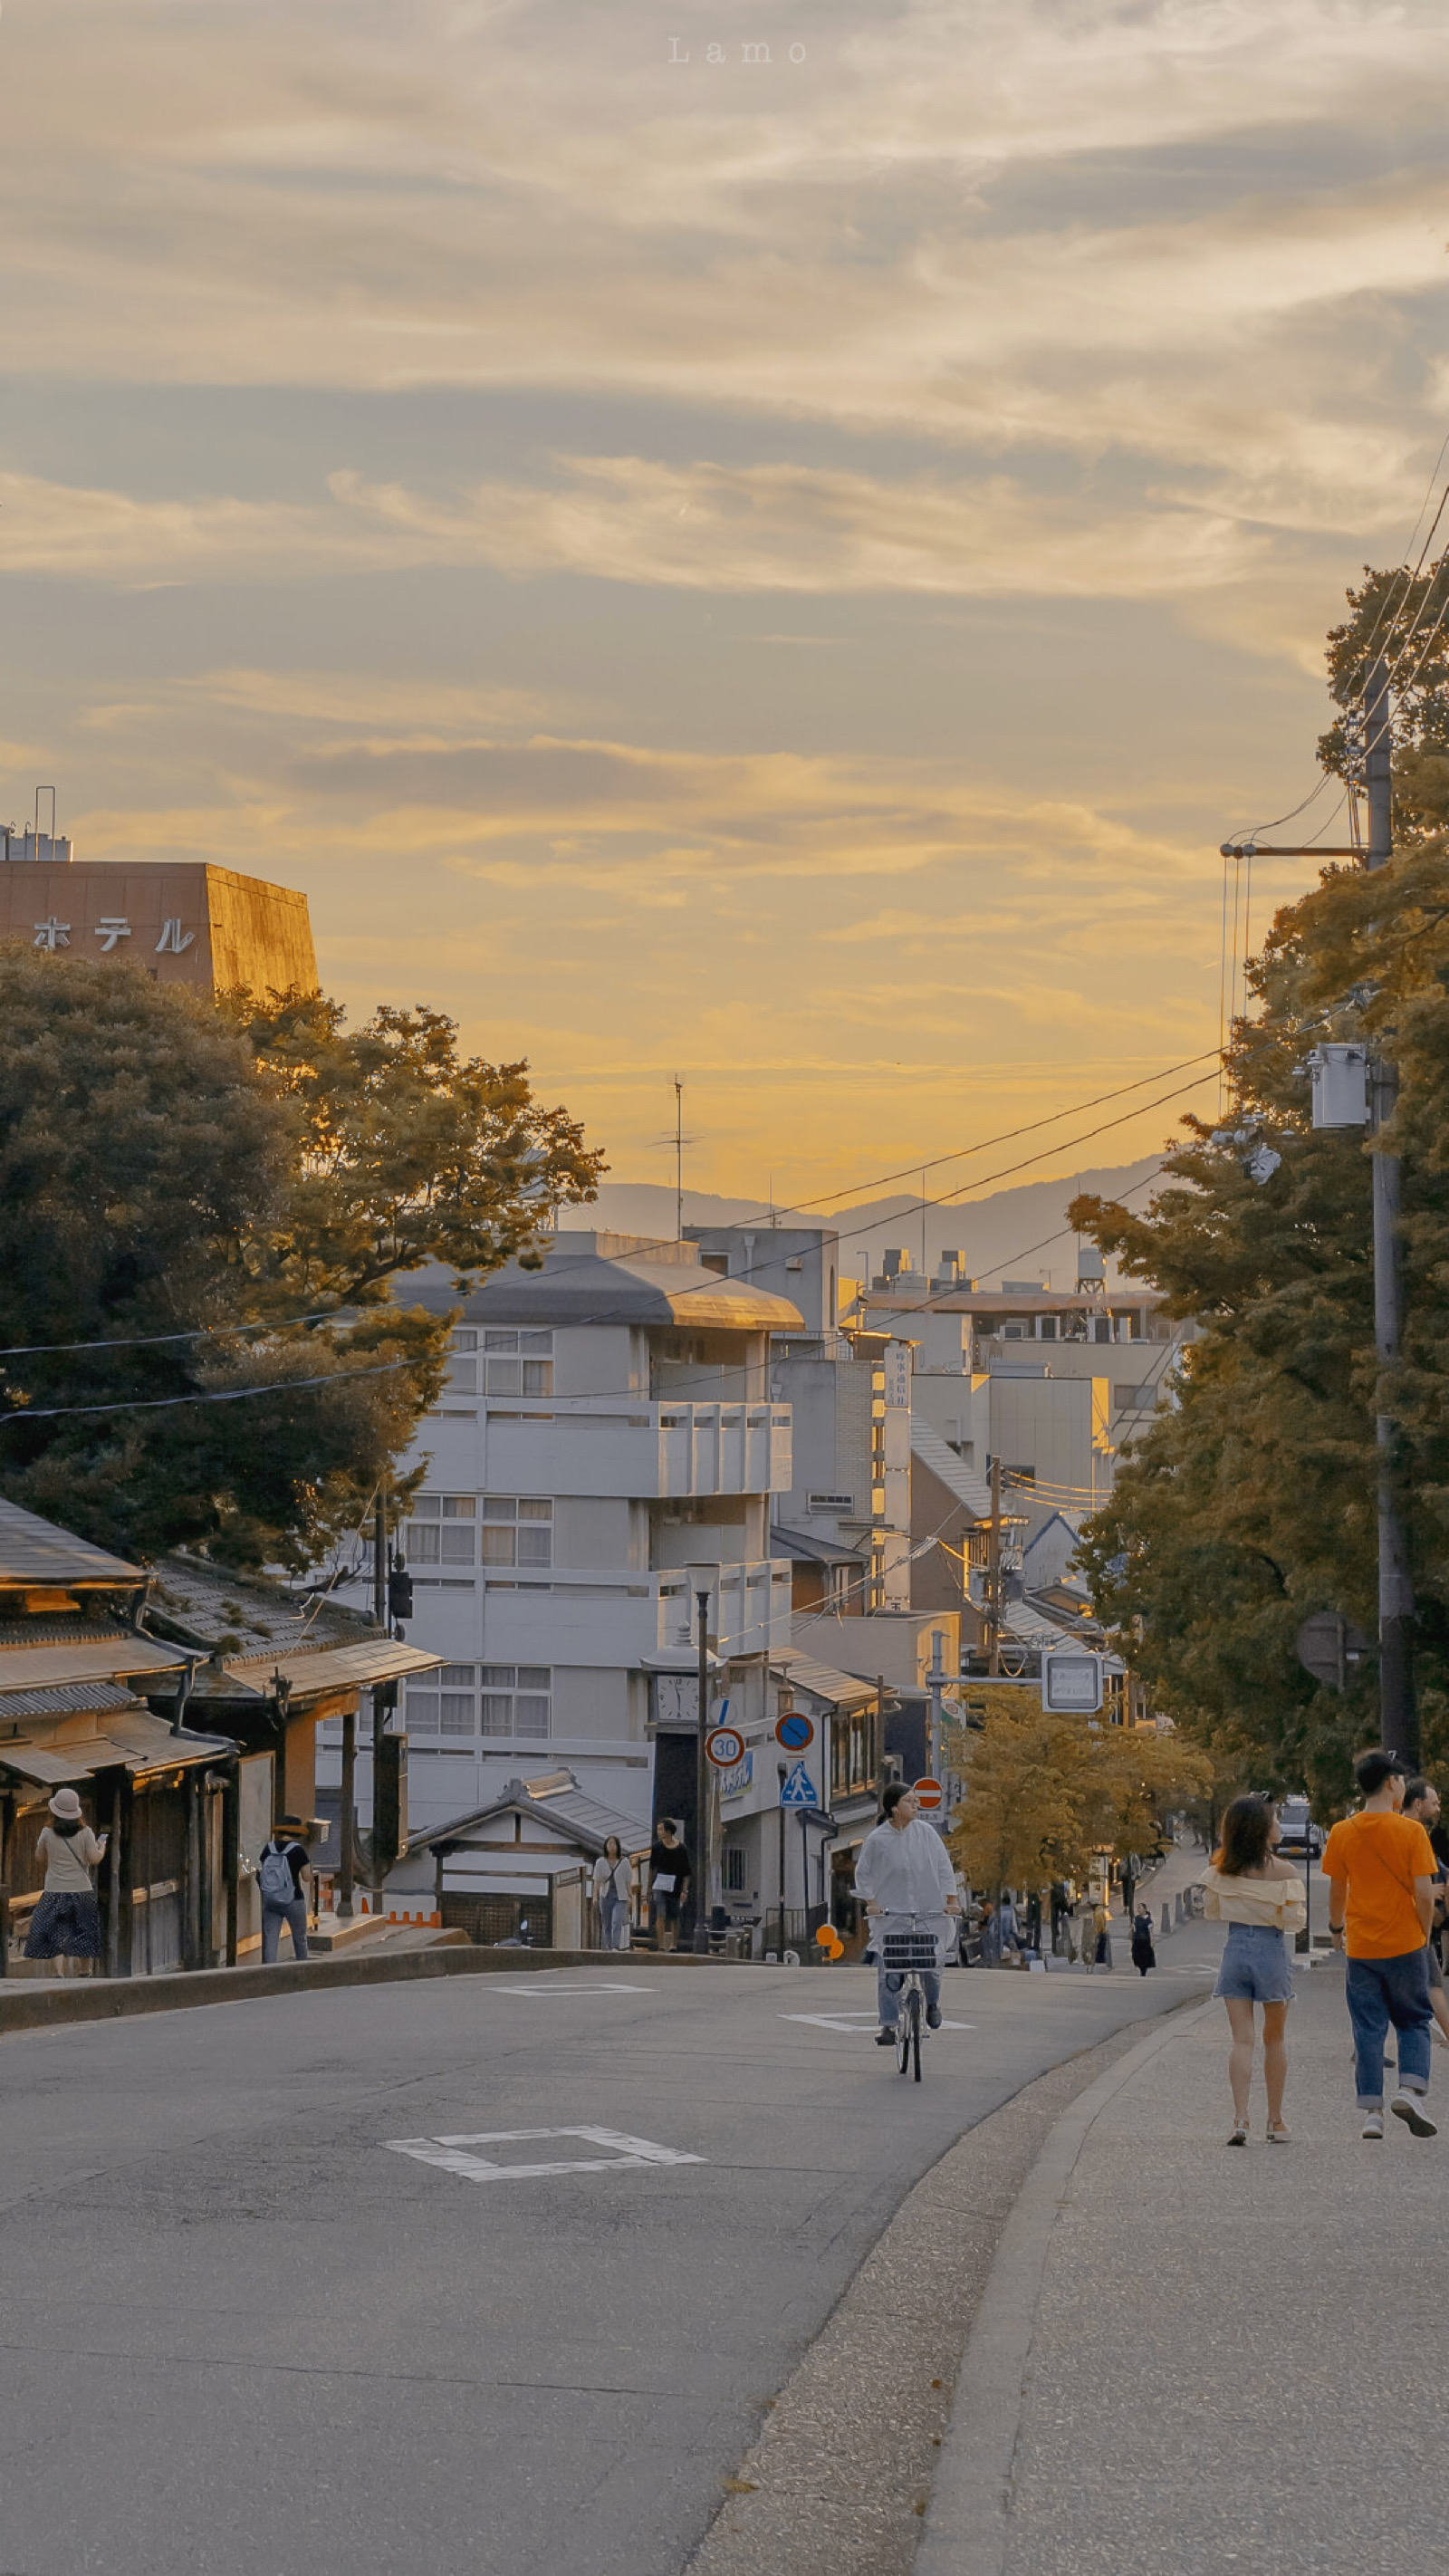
[{"x": 1190, "y": 2357}]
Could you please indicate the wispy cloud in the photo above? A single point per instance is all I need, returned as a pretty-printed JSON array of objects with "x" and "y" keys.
[
  {"x": 631, "y": 519},
  {"x": 1131, "y": 313}
]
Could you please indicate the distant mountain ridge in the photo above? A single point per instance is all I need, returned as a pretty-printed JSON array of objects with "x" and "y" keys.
[{"x": 1015, "y": 1233}]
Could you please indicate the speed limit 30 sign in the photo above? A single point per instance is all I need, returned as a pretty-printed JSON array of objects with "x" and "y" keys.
[{"x": 725, "y": 1747}]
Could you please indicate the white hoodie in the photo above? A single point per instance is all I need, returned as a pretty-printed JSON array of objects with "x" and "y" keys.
[{"x": 905, "y": 1869}]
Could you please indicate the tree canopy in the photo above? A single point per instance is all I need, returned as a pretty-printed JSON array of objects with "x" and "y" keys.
[
  {"x": 1251, "y": 1501},
  {"x": 211, "y": 1199},
  {"x": 1045, "y": 1794}
]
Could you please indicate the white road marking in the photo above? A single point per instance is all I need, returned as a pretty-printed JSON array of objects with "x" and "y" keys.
[
  {"x": 537, "y": 1986},
  {"x": 847, "y": 2022},
  {"x": 450, "y": 2154}
]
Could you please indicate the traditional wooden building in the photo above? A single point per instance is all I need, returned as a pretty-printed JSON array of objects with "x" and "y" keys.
[
  {"x": 270, "y": 1667},
  {"x": 75, "y": 1664},
  {"x": 526, "y": 1858}
]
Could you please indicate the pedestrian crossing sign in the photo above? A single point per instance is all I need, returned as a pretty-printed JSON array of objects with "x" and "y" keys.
[{"x": 798, "y": 1789}]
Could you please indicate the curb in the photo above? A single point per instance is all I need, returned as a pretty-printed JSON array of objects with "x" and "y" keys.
[
  {"x": 968, "y": 2524},
  {"x": 30, "y": 2005}
]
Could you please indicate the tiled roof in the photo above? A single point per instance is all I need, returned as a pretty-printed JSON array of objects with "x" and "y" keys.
[{"x": 35, "y": 1551}]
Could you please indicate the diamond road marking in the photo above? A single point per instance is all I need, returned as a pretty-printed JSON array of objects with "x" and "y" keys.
[
  {"x": 537, "y": 1986},
  {"x": 848, "y": 2022},
  {"x": 451, "y": 2154}
]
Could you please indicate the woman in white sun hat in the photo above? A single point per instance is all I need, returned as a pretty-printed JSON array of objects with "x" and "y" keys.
[{"x": 66, "y": 1923}]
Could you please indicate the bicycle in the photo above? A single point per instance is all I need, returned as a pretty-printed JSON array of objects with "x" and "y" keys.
[{"x": 909, "y": 1950}]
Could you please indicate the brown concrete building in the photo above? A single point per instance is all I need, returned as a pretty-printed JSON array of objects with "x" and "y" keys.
[{"x": 178, "y": 919}]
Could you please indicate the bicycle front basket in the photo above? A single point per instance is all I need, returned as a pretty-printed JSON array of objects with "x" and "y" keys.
[{"x": 902, "y": 1950}]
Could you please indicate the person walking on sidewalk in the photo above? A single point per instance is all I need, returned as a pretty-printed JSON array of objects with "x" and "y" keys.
[
  {"x": 668, "y": 1879},
  {"x": 281, "y": 1865},
  {"x": 1144, "y": 1953},
  {"x": 1261, "y": 1899},
  {"x": 1380, "y": 1869},
  {"x": 904, "y": 1868},
  {"x": 611, "y": 1893},
  {"x": 66, "y": 1923},
  {"x": 1421, "y": 1806}
]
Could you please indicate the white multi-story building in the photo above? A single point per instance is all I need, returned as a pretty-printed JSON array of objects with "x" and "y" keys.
[
  {"x": 1048, "y": 1381},
  {"x": 846, "y": 1521},
  {"x": 605, "y": 1448}
]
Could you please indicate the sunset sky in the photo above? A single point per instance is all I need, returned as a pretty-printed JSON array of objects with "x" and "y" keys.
[{"x": 781, "y": 572}]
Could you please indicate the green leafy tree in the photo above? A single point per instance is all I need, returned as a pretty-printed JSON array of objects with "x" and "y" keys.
[
  {"x": 1252, "y": 1500},
  {"x": 1404, "y": 620},
  {"x": 210, "y": 1200}
]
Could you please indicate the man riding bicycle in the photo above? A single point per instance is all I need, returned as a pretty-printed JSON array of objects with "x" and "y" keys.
[{"x": 904, "y": 1868}]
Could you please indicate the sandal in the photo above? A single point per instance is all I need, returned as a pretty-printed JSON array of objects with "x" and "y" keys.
[
  {"x": 1239, "y": 2137},
  {"x": 1279, "y": 2135}
]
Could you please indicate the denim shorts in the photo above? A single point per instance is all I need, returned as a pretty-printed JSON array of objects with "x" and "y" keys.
[{"x": 1256, "y": 1966}]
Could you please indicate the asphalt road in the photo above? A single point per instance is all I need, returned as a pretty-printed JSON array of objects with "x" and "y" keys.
[{"x": 246, "y": 2333}]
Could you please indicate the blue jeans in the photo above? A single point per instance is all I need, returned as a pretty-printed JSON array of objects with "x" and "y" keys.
[
  {"x": 613, "y": 1916},
  {"x": 888, "y": 1993},
  {"x": 1381, "y": 1991},
  {"x": 273, "y": 1917}
]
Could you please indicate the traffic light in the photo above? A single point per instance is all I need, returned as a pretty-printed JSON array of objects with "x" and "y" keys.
[{"x": 399, "y": 1593}]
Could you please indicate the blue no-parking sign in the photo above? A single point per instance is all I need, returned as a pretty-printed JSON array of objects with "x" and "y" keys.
[{"x": 795, "y": 1731}]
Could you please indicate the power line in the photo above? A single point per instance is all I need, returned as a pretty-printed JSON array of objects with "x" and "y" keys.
[
  {"x": 151, "y": 1341},
  {"x": 215, "y": 1395},
  {"x": 663, "y": 1243},
  {"x": 233, "y": 1395}
]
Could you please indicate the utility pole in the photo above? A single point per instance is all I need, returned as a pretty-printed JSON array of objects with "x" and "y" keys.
[
  {"x": 993, "y": 1571},
  {"x": 678, "y": 1160},
  {"x": 701, "y": 1783},
  {"x": 347, "y": 1820},
  {"x": 1398, "y": 1713},
  {"x": 379, "y": 1689}
]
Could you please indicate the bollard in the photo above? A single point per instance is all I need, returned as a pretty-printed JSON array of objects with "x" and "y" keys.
[
  {"x": 1181, "y": 1907},
  {"x": 1166, "y": 1921}
]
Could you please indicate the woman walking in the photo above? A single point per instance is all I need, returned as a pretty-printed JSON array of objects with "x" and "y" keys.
[
  {"x": 66, "y": 1923},
  {"x": 1262, "y": 1900},
  {"x": 1144, "y": 1954},
  {"x": 611, "y": 1894}
]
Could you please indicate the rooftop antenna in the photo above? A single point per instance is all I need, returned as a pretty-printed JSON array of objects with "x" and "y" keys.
[{"x": 678, "y": 1140}]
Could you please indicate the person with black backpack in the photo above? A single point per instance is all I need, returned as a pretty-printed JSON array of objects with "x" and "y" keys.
[{"x": 280, "y": 1871}]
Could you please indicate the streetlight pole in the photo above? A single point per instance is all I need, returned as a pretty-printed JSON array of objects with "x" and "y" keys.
[
  {"x": 935, "y": 1684},
  {"x": 701, "y": 1782},
  {"x": 1398, "y": 1713}
]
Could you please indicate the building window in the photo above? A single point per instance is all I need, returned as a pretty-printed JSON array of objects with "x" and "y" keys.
[
  {"x": 518, "y": 1701},
  {"x": 517, "y": 1530},
  {"x": 445, "y": 1702},
  {"x": 732, "y": 1869},
  {"x": 442, "y": 1530},
  {"x": 516, "y": 1362},
  {"x": 851, "y": 1742}
]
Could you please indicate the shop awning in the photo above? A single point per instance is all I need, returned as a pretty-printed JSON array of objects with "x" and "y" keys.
[
  {"x": 87, "y": 1660},
  {"x": 308, "y": 1676},
  {"x": 130, "y": 1741}
]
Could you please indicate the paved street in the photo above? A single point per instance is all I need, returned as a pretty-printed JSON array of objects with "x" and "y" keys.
[{"x": 216, "y": 2254}]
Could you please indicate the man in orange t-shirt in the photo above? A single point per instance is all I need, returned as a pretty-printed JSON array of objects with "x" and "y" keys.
[{"x": 1380, "y": 1869}]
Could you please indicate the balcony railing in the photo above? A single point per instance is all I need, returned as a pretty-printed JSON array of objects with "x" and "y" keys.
[
  {"x": 645, "y": 1451},
  {"x": 582, "y": 1616}
]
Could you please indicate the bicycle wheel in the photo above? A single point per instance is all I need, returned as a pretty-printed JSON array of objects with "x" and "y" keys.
[
  {"x": 916, "y": 2032},
  {"x": 903, "y": 2031}
]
